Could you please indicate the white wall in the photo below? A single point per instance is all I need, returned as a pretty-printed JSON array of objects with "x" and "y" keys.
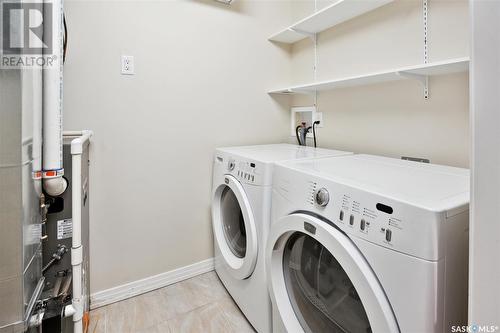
[
  {"x": 484, "y": 269},
  {"x": 391, "y": 119},
  {"x": 203, "y": 70}
]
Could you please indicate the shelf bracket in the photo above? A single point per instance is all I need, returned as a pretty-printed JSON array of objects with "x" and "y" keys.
[
  {"x": 305, "y": 33},
  {"x": 424, "y": 79}
]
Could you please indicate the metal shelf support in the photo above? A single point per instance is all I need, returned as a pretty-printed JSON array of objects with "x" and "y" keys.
[{"x": 423, "y": 79}]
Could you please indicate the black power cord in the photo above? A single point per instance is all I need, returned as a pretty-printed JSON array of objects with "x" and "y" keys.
[
  {"x": 307, "y": 132},
  {"x": 65, "y": 38},
  {"x": 297, "y": 134},
  {"x": 317, "y": 122}
]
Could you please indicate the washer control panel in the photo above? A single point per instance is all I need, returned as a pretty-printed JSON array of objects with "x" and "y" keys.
[{"x": 248, "y": 172}]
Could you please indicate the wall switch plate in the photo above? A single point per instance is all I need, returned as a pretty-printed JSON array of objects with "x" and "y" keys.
[{"x": 128, "y": 65}]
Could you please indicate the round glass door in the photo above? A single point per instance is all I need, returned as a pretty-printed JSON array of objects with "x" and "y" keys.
[
  {"x": 233, "y": 223},
  {"x": 322, "y": 296},
  {"x": 319, "y": 280},
  {"x": 234, "y": 228}
]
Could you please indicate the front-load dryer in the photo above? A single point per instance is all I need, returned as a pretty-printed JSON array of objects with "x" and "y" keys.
[
  {"x": 368, "y": 244},
  {"x": 241, "y": 209}
]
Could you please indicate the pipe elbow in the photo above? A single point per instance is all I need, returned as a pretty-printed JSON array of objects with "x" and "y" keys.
[
  {"x": 55, "y": 186},
  {"x": 68, "y": 311}
]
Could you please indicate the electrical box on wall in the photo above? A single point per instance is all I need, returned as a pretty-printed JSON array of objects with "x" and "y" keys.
[
  {"x": 304, "y": 114},
  {"x": 128, "y": 67}
]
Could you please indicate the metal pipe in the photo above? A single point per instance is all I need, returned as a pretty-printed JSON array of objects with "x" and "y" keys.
[
  {"x": 56, "y": 256},
  {"x": 65, "y": 286},
  {"x": 50, "y": 263},
  {"x": 57, "y": 286}
]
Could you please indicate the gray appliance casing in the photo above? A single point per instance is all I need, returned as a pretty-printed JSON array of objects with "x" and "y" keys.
[{"x": 20, "y": 220}]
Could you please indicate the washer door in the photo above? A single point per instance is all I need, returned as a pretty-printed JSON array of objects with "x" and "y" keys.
[
  {"x": 320, "y": 282},
  {"x": 234, "y": 227}
]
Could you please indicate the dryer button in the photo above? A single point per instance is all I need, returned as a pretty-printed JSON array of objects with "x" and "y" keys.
[
  {"x": 341, "y": 216},
  {"x": 351, "y": 220},
  {"x": 362, "y": 225},
  {"x": 388, "y": 235}
]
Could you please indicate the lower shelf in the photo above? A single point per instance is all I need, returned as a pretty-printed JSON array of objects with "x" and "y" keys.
[{"x": 449, "y": 66}]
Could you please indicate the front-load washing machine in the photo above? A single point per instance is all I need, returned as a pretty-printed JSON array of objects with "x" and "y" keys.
[
  {"x": 241, "y": 209},
  {"x": 368, "y": 244}
]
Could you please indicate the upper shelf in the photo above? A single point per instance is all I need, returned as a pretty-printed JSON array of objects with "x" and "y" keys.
[
  {"x": 328, "y": 17},
  {"x": 420, "y": 71}
]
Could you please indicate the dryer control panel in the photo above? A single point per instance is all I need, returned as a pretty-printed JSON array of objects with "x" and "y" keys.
[
  {"x": 363, "y": 214},
  {"x": 373, "y": 220}
]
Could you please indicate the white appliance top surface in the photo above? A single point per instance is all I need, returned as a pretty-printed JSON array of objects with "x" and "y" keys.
[
  {"x": 434, "y": 187},
  {"x": 281, "y": 152}
]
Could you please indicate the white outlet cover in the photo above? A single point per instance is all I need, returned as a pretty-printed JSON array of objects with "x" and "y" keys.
[
  {"x": 318, "y": 116},
  {"x": 127, "y": 63},
  {"x": 305, "y": 113}
]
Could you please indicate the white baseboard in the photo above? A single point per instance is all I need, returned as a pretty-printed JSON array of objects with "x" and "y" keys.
[{"x": 119, "y": 293}]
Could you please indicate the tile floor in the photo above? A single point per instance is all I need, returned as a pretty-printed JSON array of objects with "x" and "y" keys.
[{"x": 200, "y": 304}]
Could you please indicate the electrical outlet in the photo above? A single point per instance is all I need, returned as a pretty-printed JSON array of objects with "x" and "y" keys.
[{"x": 128, "y": 65}]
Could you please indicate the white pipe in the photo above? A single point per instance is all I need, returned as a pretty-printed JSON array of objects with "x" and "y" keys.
[
  {"x": 53, "y": 171},
  {"x": 68, "y": 134},
  {"x": 68, "y": 311},
  {"x": 32, "y": 99},
  {"x": 76, "y": 248}
]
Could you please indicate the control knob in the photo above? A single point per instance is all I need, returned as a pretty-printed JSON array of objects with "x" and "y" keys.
[
  {"x": 322, "y": 197},
  {"x": 230, "y": 165}
]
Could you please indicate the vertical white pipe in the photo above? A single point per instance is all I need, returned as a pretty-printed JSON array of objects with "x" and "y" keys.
[
  {"x": 37, "y": 127},
  {"x": 53, "y": 169},
  {"x": 77, "y": 197},
  {"x": 77, "y": 249},
  {"x": 78, "y": 327},
  {"x": 32, "y": 120}
]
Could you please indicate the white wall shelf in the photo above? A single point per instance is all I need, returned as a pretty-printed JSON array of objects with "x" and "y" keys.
[
  {"x": 340, "y": 11},
  {"x": 419, "y": 72}
]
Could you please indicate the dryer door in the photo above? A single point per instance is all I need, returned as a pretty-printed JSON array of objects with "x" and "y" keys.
[
  {"x": 320, "y": 282},
  {"x": 234, "y": 227}
]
